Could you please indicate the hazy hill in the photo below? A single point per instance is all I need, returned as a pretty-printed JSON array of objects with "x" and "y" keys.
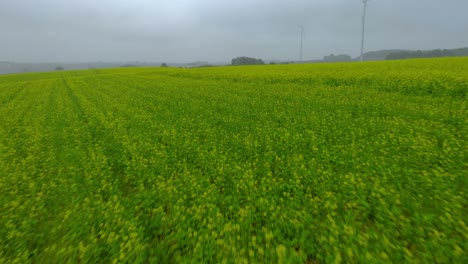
[
  {"x": 404, "y": 54},
  {"x": 379, "y": 54},
  {"x": 460, "y": 52}
]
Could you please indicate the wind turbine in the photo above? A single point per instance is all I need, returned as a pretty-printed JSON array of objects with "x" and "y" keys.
[
  {"x": 302, "y": 38},
  {"x": 363, "y": 27}
]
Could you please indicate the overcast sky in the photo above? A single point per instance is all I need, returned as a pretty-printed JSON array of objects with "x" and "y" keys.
[{"x": 218, "y": 30}]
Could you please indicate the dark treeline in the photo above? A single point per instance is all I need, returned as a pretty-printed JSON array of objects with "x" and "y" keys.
[
  {"x": 246, "y": 61},
  {"x": 407, "y": 54}
]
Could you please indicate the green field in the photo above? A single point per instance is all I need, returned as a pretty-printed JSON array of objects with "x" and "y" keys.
[{"x": 320, "y": 163}]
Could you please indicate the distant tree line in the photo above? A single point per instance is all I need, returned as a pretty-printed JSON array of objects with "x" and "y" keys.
[
  {"x": 246, "y": 61},
  {"x": 128, "y": 65},
  {"x": 337, "y": 58},
  {"x": 428, "y": 54}
]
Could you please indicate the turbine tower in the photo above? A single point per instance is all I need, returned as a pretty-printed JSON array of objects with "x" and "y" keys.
[
  {"x": 302, "y": 38},
  {"x": 363, "y": 27}
]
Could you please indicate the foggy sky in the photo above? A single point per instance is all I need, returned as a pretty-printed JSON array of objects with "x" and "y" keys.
[{"x": 218, "y": 30}]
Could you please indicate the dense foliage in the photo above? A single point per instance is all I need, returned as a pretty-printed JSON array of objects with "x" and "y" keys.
[
  {"x": 246, "y": 61},
  {"x": 408, "y": 54},
  {"x": 328, "y": 163}
]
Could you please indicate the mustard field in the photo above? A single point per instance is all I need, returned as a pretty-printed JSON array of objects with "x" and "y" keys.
[{"x": 318, "y": 163}]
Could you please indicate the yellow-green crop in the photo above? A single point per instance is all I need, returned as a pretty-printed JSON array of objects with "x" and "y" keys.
[{"x": 325, "y": 163}]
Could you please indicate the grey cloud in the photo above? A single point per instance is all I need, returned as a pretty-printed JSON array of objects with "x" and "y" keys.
[{"x": 188, "y": 30}]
